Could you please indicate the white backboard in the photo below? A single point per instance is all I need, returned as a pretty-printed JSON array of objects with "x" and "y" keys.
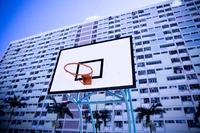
[{"x": 112, "y": 63}]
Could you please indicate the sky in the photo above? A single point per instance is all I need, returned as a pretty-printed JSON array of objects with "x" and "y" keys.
[{"x": 23, "y": 18}]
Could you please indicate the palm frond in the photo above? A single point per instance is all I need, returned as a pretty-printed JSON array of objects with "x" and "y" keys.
[
  {"x": 66, "y": 103},
  {"x": 140, "y": 109},
  {"x": 53, "y": 99},
  {"x": 23, "y": 104},
  {"x": 50, "y": 109},
  {"x": 141, "y": 113},
  {"x": 41, "y": 98},
  {"x": 159, "y": 111},
  {"x": 68, "y": 112},
  {"x": 104, "y": 114},
  {"x": 154, "y": 106}
]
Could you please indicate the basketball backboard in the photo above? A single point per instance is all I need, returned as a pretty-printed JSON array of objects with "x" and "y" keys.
[{"x": 112, "y": 63}]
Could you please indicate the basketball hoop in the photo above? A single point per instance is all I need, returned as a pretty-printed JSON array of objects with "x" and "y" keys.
[{"x": 86, "y": 78}]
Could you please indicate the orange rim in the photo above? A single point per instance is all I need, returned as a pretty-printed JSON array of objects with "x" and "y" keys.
[{"x": 74, "y": 74}]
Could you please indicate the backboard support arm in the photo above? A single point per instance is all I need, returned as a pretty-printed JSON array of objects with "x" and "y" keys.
[{"x": 125, "y": 98}]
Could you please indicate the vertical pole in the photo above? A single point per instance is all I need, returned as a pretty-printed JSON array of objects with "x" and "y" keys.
[
  {"x": 92, "y": 118},
  {"x": 80, "y": 113},
  {"x": 132, "y": 111},
  {"x": 79, "y": 110},
  {"x": 128, "y": 111}
]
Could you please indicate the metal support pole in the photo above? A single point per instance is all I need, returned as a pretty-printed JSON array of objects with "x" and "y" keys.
[
  {"x": 132, "y": 111},
  {"x": 86, "y": 96},
  {"x": 92, "y": 118},
  {"x": 127, "y": 108},
  {"x": 79, "y": 110},
  {"x": 99, "y": 102},
  {"x": 121, "y": 98},
  {"x": 126, "y": 97}
]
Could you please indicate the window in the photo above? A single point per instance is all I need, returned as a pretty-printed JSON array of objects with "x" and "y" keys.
[
  {"x": 143, "y": 25},
  {"x": 173, "y": 25},
  {"x": 41, "y": 122},
  {"x": 149, "y": 35},
  {"x": 144, "y": 30},
  {"x": 189, "y": 110},
  {"x": 148, "y": 56},
  {"x": 118, "y": 124},
  {"x": 196, "y": 97},
  {"x": 167, "y": 32},
  {"x": 151, "y": 71},
  {"x": 140, "y": 57},
  {"x": 177, "y": 109},
  {"x": 169, "y": 121},
  {"x": 187, "y": 58},
  {"x": 141, "y": 72},
  {"x": 180, "y": 44},
  {"x": 177, "y": 37},
  {"x": 171, "y": 19},
  {"x": 147, "y": 49},
  {"x": 191, "y": 76},
  {"x": 143, "y": 90},
  {"x": 167, "y": 109},
  {"x": 173, "y": 52},
  {"x": 145, "y": 100},
  {"x": 142, "y": 81},
  {"x": 192, "y": 123},
  {"x": 44, "y": 114},
  {"x": 153, "y": 62},
  {"x": 165, "y": 26},
  {"x": 138, "y": 43},
  {"x": 181, "y": 51},
  {"x": 162, "y": 16},
  {"x": 153, "y": 90},
  {"x": 183, "y": 87},
  {"x": 139, "y": 50},
  {"x": 164, "y": 98},
  {"x": 167, "y": 45},
  {"x": 152, "y": 80},
  {"x": 146, "y": 42},
  {"x": 175, "y": 60},
  {"x": 155, "y": 100},
  {"x": 180, "y": 121},
  {"x": 169, "y": 38},
  {"x": 194, "y": 86},
  {"x": 163, "y": 87},
  {"x": 118, "y": 112},
  {"x": 197, "y": 20},
  {"x": 174, "y": 97},
  {"x": 176, "y": 78},
  {"x": 140, "y": 64},
  {"x": 186, "y": 98},
  {"x": 140, "y": 11},
  {"x": 137, "y": 37}
]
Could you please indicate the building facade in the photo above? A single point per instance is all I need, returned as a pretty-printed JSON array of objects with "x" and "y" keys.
[{"x": 166, "y": 42}]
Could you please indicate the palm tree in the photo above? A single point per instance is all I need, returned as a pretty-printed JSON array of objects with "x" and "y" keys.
[
  {"x": 57, "y": 108},
  {"x": 147, "y": 112},
  {"x": 197, "y": 115},
  {"x": 14, "y": 102},
  {"x": 100, "y": 117}
]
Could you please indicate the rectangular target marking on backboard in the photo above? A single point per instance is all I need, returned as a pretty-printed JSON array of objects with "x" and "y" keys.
[
  {"x": 98, "y": 64},
  {"x": 112, "y": 63}
]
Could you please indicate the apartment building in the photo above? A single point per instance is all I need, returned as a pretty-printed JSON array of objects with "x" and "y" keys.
[{"x": 166, "y": 45}]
